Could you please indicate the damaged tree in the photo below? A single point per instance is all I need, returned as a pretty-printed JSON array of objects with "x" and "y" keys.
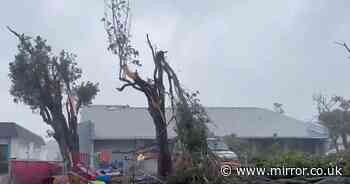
[
  {"x": 191, "y": 129},
  {"x": 334, "y": 114},
  {"x": 48, "y": 85},
  {"x": 163, "y": 85}
]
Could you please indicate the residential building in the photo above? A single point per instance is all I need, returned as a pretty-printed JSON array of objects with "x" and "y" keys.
[
  {"x": 124, "y": 129},
  {"x": 17, "y": 142}
]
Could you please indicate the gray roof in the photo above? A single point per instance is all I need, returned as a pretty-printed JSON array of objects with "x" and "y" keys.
[
  {"x": 261, "y": 123},
  {"x": 118, "y": 122},
  {"x": 13, "y": 130}
]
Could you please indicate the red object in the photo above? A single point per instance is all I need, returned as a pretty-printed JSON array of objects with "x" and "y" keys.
[
  {"x": 82, "y": 158},
  {"x": 106, "y": 156},
  {"x": 84, "y": 172},
  {"x": 81, "y": 162},
  {"x": 36, "y": 172},
  {"x": 33, "y": 172}
]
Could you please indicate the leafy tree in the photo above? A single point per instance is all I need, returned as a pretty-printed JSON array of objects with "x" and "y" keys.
[{"x": 47, "y": 83}]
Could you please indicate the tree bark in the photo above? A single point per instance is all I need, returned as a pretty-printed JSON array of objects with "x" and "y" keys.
[
  {"x": 164, "y": 156},
  {"x": 335, "y": 142},
  {"x": 74, "y": 140},
  {"x": 64, "y": 148},
  {"x": 61, "y": 138},
  {"x": 345, "y": 141},
  {"x": 67, "y": 139}
]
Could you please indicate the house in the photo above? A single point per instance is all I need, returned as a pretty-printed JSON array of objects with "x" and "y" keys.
[
  {"x": 262, "y": 128},
  {"x": 119, "y": 129},
  {"x": 17, "y": 142},
  {"x": 124, "y": 129}
]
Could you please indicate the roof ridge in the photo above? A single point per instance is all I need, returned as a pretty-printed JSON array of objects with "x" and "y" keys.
[
  {"x": 19, "y": 130},
  {"x": 239, "y": 120},
  {"x": 216, "y": 107}
]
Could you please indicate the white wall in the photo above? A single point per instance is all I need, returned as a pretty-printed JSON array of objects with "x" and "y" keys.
[
  {"x": 24, "y": 150},
  {"x": 51, "y": 151}
]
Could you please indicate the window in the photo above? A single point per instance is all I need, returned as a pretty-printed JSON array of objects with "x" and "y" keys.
[
  {"x": 217, "y": 145},
  {"x": 4, "y": 159}
]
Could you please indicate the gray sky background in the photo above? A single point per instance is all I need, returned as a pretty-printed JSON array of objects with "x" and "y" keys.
[{"x": 236, "y": 53}]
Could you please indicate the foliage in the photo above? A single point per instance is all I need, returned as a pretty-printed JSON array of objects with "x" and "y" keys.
[
  {"x": 118, "y": 28},
  {"x": 244, "y": 150},
  {"x": 237, "y": 145},
  {"x": 43, "y": 81},
  {"x": 191, "y": 119},
  {"x": 202, "y": 173},
  {"x": 191, "y": 176},
  {"x": 341, "y": 159},
  {"x": 86, "y": 91},
  {"x": 302, "y": 160},
  {"x": 334, "y": 114}
]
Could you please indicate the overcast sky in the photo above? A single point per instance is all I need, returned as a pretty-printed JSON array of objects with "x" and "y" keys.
[{"x": 236, "y": 52}]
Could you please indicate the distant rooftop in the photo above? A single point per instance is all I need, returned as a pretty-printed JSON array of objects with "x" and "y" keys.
[
  {"x": 13, "y": 130},
  {"x": 117, "y": 122}
]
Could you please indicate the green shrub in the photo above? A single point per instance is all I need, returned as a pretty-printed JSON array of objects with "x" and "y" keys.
[
  {"x": 194, "y": 175},
  {"x": 341, "y": 159},
  {"x": 302, "y": 160},
  {"x": 204, "y": 173}
]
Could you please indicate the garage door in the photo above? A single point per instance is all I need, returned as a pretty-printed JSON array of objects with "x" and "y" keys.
[{"x": 4, "y": 152}]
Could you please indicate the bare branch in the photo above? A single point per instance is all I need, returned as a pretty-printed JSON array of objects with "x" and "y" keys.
[
  {"x": 22, "y": 39},
  {"x": 343, "y": 45},
  {"x": 323, "y": 103},
  {"x": 78, "y": 106},
  {"x": 150, "y": 46},
  {"x": 126, "y": 85},
  {"x": 14, "y": 32},
  {"x": 156, "y": 67}
]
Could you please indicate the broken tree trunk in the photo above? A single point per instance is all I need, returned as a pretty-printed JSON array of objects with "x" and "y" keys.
[{"x": 164, "y": 157}]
